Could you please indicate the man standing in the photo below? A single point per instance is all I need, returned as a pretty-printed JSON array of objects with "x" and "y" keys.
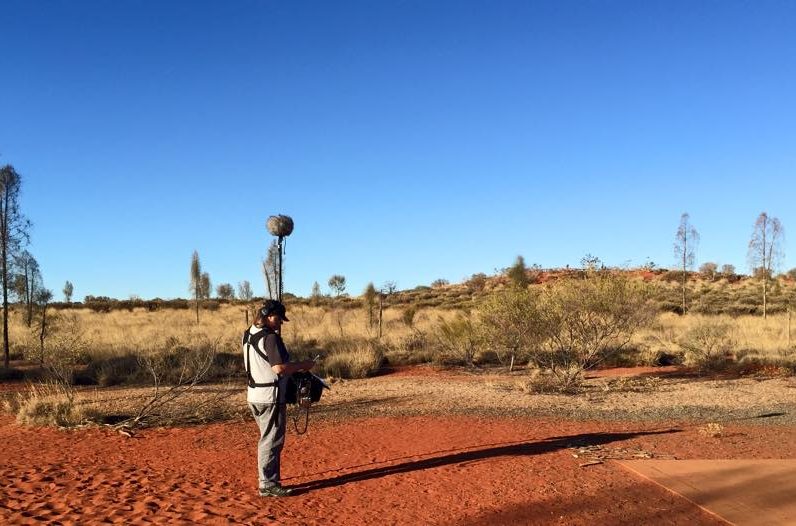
[{"x": 268, "y": 367}]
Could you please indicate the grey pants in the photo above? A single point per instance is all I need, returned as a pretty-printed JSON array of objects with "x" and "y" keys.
[{"x": 271, "y": 421}]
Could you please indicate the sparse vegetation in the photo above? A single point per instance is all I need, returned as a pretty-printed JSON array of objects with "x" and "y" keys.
[
  {"x": 707, "y": 345},
  {"x": 585, "y": 321},
  {"x": 559, "y": 328}
]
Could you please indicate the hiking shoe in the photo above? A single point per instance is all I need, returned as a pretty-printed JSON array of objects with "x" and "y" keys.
[{"x": 276, "y": 490}]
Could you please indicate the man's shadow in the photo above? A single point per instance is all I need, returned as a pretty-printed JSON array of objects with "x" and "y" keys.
[{"x": 458, "y": 457}]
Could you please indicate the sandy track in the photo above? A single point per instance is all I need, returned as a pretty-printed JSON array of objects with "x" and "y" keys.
[{"x": 412, "y": 470}]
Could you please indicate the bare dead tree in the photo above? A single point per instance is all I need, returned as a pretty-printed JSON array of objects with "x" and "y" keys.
[
  {"x": 765, "y": 250},
  {"x": 686, "y": 241}
]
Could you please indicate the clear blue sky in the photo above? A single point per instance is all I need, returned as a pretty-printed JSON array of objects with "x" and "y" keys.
[{"x": 409, "y": 140}]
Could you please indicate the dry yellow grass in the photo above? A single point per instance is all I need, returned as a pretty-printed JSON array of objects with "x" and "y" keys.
[
  {"x": 750, "y": 335},
  {"x": 119, "y": 332}
]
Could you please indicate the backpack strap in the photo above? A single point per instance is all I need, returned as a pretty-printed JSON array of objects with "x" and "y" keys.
[{"x": 253, "y": 341}]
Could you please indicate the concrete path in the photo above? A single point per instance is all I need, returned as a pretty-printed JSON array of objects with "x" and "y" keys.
[{"x": 742, "y": 492}]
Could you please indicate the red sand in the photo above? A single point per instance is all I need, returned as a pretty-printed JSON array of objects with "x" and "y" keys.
[{"x": 420, "y": 470}]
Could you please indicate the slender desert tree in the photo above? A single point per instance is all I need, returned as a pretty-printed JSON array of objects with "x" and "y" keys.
[
  {"x": 206, "y": 286},
  {"x": 316, "y": 294},
  {"x": 27, "y": 282},
  {"x": 765, "y": 251},
  {"x": 337, "y": 284},
  {"x": 245, "y": 290},
  {"x": 370, "y": 301},
  {"x": 69, "y": 289},
  {"x": 14, "y": 228},
  {"x": 225, "y": 291},
  {"x": 389, "y": 288},
  {"x": 196, "y": 281},
  {"x": 685, "y": 243},
  {"x": 43, "y": 298},
  {"x": 386, "y": 290},
  {"x": 518, "y": 273}
]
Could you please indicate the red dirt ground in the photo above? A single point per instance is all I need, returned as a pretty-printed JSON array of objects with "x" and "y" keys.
[{"x": 419, "y": 470}]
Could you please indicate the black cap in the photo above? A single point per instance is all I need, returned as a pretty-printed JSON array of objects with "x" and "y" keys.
[{"x": 273, "y": 307}]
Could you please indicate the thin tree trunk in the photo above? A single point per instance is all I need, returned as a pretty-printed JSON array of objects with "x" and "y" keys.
[
  {"x": 765, "y": 270},
  {"x": 685, "y": 254},
  {"x": 4, "y": 256},
  {"x": 381, "y": 312},
  {"x": 765, "y": 293},
  {"x": 43, "y": 331},
  {"x": 30, "y": 279}
]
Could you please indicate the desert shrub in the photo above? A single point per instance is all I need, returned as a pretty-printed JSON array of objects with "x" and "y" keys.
[
  {"x": 226, "y": 365},
  {"x": 302, "y": 348},
  {"x": 543, "y": 381},
  {"x": 413, "y": 342},
  {"x": 485, "y": 356},
  {"x": 458, "y": 339},
  {"x": 113, "y": 370},
  {"x": 586, "y": 321},
  {"x": 511, "y": 323},
  {"x": 782, "y": 363},
  {"x": 353, "y": 359},
  {"x": 627, "y": 356},
  {"x": 176, "y": 364},
  {"x": 99, "y": 303},
  {"x": 707, "y": 345},
  {"x": 408, "y": 315},
  {"x": 50, "y": 404},
  {"x": 476, "y": 283},
  {"x": 65, "y": 348},
  {"x": 411, "y": 349}
]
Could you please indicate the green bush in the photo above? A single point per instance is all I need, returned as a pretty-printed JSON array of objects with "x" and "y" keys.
[{"x": 511, "y": 324}]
